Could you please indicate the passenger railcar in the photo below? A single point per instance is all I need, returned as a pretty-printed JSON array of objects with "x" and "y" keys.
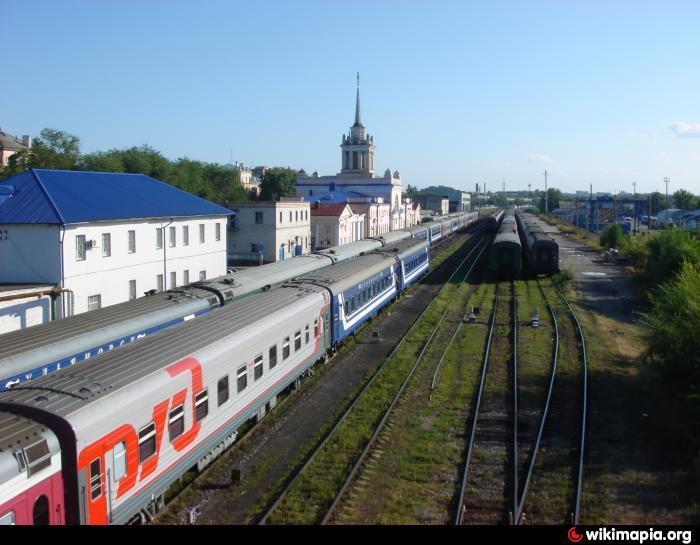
[
  {"x": 412, "y": 260},
  {"x": 541, "y": 251},
  {"x": 505, "y": 258}
]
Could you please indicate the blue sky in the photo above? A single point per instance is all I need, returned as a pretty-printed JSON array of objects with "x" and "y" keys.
[{"x": 455, "y": 92}]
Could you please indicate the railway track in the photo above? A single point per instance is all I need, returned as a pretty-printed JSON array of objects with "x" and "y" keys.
[{"x": 320, "y": 484}]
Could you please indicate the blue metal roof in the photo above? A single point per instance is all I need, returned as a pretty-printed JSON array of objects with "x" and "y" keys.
[{"x": 64, "y": 196}]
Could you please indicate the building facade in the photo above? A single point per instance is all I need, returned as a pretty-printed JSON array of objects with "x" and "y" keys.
[
  {"x": 9, "y": 145},
  {"x": 275, "y": 230},
  {"x": 106, "y": 238},
  {"x": 335, "y": 225}
]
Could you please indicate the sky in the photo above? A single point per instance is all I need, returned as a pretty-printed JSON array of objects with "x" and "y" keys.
[{"x": 602, "y": 92}]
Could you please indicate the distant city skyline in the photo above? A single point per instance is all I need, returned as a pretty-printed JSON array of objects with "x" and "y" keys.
[{"x": 454, "y": 93}]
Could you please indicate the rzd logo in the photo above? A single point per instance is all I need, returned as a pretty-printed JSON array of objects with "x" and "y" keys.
[{"x": 573, "y": 535}]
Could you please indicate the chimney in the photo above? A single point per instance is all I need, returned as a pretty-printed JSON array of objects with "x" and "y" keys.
[{"x": 27, "y": 140}]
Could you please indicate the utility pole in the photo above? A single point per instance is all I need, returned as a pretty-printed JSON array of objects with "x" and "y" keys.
[
  {"x": 634, "y": 200},
  {"x": 666, "y": 180},
  {"x": 529, "y": 194},
  {"x": 546, "y": 197}
]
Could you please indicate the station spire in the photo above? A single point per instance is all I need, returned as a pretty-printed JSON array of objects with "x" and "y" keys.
[{"x": 358, "y": 122}]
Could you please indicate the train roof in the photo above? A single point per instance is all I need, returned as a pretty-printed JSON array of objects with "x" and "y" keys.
[
  {"x": 17, "y": 433},
  {"x": 393, "y": 236},
  {"x": 404, "y": 248},
  {"x": 71, "y": 388},
  {"x": 347, "y": 251},
  {"x": 29, "y": 348},
  {"x": 349, "y": 273}
]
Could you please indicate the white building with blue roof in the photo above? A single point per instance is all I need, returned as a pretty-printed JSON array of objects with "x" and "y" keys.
[{"x": 104, "y": 238}]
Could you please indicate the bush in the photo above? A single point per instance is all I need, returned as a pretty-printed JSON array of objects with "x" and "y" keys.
[
  {"x": 562, "y": 279},
  {"x": 612, "y": 236}
]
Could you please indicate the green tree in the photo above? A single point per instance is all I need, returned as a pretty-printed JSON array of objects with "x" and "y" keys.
[
  {"x": 278, "y": 182},
  {"x": 553, "y": 198},
  {"x": 684, "y": 199},
  {"x": 612, "y": 236},
  {"x": 411, "y": 191},
  {"x": 658, "y": 203},
  {"x": 53, "y": 149}
]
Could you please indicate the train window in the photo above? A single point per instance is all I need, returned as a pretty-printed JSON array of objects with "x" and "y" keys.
[
  {"x": 201, "y": 405},
  {"x": 8, "y": 519},
  {"x": 352, "y": 304},
  {"x": 38, "y": 457},
  {"x": 258, "y": 367},
  {"x": 285, "y": 348},
  {"x": 222, "y": 390},
  {"x": 176, "y": 422},
  {"x": 40, "y": 513},
  {"x": 119, "y": 460},
  {"x": 273, "y": 356},
  {"x": 147, "y": 442},
  {"x": 242, "y": 379},
  {"x": 297, "y": 340},
  {"x": 316, "y": 327},
  {"x": 307, "y": 334},
  {"x": 346, "y": 308},
  {"x": 95, "y": 479}
]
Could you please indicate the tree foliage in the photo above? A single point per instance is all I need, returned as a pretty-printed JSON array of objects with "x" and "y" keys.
[
  {"x": 684, "y": 200},
  {"x": 553, "y": 198},
  {"x": 278, "y": 182},
  {"x": 61, "y": 150},
  {"x": 612, "y": 236}
]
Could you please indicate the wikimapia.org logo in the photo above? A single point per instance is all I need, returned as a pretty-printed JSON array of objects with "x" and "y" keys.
[{"x": 636, "y": 536}]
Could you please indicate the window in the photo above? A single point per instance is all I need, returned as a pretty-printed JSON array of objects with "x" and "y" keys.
[
  {"x": 201, "y": 233},
  {"x": 80, "y": 247},
  {"x": 218, "y": 231},
  {"x": 106, "y": 245},
  {"x": 258, "y": 367},
  {"x": 307, "y": 334},
  {"x": 297, "y": 340},
  {"x": 147, "y": 442},
  {"x": 40, "y": 511},
  {"x": 185, "y": 235},
  {"x": 94, "y": 302},
  {"x": 201, "y": 405},
  {"x": 296, "y": 216},
  {"x": 159, "y": 282},
  {"x": 132, "y": 242},
  {"x": 285, "y": 348},
  {"x": 95, "y": 478},
  {"x": 119, "y": 460},
  {"x": 347, "y": 309},
  {"x": 202, "y": 275},
  {"x": 132, "y": 289},
  {"x": 258, "y": 217},
  {"x": 172, "y": 237},
  {"x": 159, "y": 238},
  {"x": 316, "y": 327},
  {"x": 241, "y": 379},
  {"x": 280, "y": 217},
  {"x": 176, "y": 422},
  {"x": 173, "y": 280},
  {"x": 186, "y": 277},
  {"x": 8, "y": 519},
  {"x": 273, "y": 356},
  {"x": 222, "y": 390},
  {"x": 290, "y": 216}
]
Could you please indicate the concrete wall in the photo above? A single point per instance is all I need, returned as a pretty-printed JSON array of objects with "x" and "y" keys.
[{"x": 24, "y": 312}]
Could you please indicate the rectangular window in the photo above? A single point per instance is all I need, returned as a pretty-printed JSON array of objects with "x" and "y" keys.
[
  {"x": 80, "y": 248},
  {"x": 297, "y": 340},
  {"x": 159, "y": 282},
  {"x": 285, "y": 348},
  {"x": 201, "y": 405},
  {"x": 290, "y": 216},
  {"x": 273, "y": 357},
  {"x": 347, "y": 308},
  {"x": 222, "y": 390},
  {"x": 316, "y": 327},
  {"x": 280, "y": 217},
  {"x": 106, "y": 245},
  {"x": 185, "y": 235},
  {"x": 8, "y": 519},
  {"x": 95, "y": 478},
  {"x": 296, "y": 216},
  {"x": 241, "y": 378},
  {"x": 147, "y": 442},
  {"x": 132, "y": 242},
  {"x": 258, "y": 367},
  {"x": 202, "y": 275},
  {"x": 132, "y": 289},
  {"x": 218, "y": 231},
  {"x": 119, "y": 461},
  {"x": 201, "y": 233},
  {"x": 186, "y": 277},
  {"x": 172, "y": 237},
  {"x": 159, "y": 238},
  {"x": 258, "y": 217},
  {"x": 307, "y": 334},
  {"x": 173, "y": 280},
  {"x": 94, "y": 302},
  {"x": 176, "y": 422}
]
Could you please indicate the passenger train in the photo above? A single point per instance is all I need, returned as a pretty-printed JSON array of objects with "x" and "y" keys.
[
  {"x": 541, "y": 250},
  {"x": 42, "y": 349},
  {"x": 505, "y": 258},
  {"x": 101, "y": 443}
]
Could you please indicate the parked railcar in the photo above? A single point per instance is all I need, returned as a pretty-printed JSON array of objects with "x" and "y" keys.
[
  {"x": 505, "y": 258},
  {"x": 420, "y": 231},
  {"x": 393, "y": 236},
  {"x": 542, "y": 252},
  {"x": 412, "y": 260}
]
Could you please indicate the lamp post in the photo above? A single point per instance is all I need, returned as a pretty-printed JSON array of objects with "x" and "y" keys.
[
  {"x": 634, "y": 201},
  {"x": 666, "y": 180}
]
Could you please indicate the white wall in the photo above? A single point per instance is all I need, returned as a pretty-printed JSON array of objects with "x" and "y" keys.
[
  {"x": 30, "y": 254},
  {"x": 24, "y": 312},
  {"x": 109, "y": 276}
]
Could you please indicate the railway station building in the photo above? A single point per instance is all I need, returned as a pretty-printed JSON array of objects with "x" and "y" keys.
[{"x": 104, "y": 238}]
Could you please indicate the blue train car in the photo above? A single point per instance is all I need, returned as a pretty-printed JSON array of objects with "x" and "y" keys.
[
  {"x": 412, "y": 260},
  {"x": 420, "y": 231},
  {"x": 434, "y": 231}
]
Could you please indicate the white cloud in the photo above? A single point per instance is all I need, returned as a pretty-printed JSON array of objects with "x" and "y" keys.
[
  {"x": 685, "y": 130},
  {"x": 540, "y": 158}
]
